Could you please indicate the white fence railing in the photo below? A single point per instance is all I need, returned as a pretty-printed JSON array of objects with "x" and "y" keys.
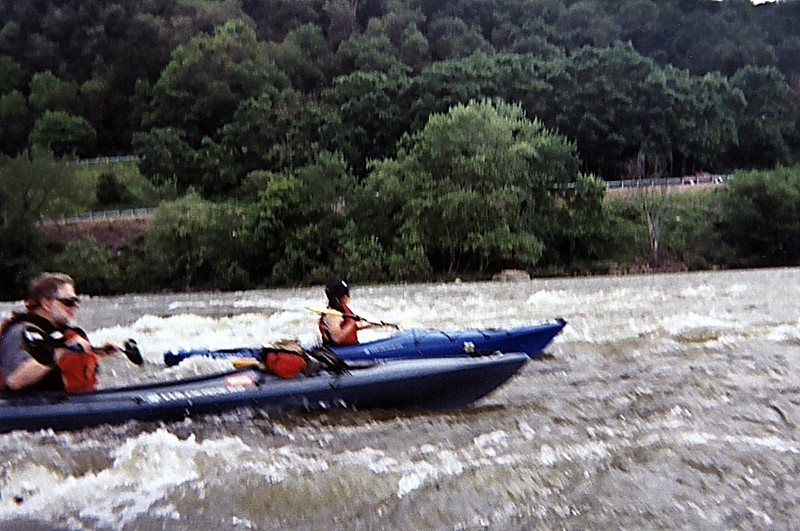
[
  {"x": 106, "y": 214},
  {"x": 686, "y": 180},
  {"x": 107, "y": 160}
]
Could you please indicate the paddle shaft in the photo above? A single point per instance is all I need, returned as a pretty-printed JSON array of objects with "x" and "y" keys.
[
  {"x": 129, "y": 348},
  {"x": 331, "y": 311},
  {"x": 36, "y": 339}
]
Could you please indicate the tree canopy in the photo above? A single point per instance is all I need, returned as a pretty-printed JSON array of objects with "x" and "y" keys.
[
  {"x": 387, "y": 138},
  {"x": 482, "y": 184},
  {"x": 704, "y": 85}
]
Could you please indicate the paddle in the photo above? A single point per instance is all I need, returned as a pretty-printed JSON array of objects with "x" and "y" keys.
[
  {"x": 131, "y": 350},
  {"x": 330, "y": 311},
  {"x": 41, "y": 346},
  {"x": 247, "y": 363}
]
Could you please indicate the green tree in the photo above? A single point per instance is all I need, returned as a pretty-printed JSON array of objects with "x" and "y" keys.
[
  {"x": 49, "y": 93},
  {"x": 452, "y": 38},
  {"x": 361, "y": 256},
  {"x": 583, "y": 24},
  {"x": 480, "y": 188},
  {"x": 276, "y": 18},
  {"x": 445, "y": 84},
  {"x": 414, "y": 48},
  {"x": 64, "y": 134},
  {"x": 367, "y": 54},
  {"x": 615, "y": 104},
  {"x": 91, "y": 265},
  {"x": 206, "y": 78},
  {"x": 190, "y": 243},
  {"x": 111, "y": 192},
  {"x": 343, "y": 15},
  {"x": 372, "y": 110},
  {"x": 11, "y": 75},
  {"x": 167, "y": 159},
  {"x": 766, "y": 121},
  {"x": 393, "y": 23},
  {"x": 30, "y": 185},
  {"x": 305, "y": 57},
  {"x": 653, "y": 197},
  {"x": 294, "y": 227},
  {"x": 276, "y": 131},
  {"x": 760, "y": 219}
]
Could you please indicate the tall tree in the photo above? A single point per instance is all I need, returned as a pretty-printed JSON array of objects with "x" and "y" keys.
[
  {"x": 49, "y": 93},
  {"x": 760, "y": 218},
  {"x": 204, "y": 82},
  {"x": 766, "y": 122},
  {"x": 192, "y": 242},
  {"x": 479, "y": 187},
  {"x": 31, "y": 186},
  {"x": 372, "y": 111},
  {"x": 653, "y": 198},
  {"x": 276, "y": 131},
  {"x": 306, "y": 58},
  {"x": 64, "y": 134},
  {"x": 293, "y": 228}
]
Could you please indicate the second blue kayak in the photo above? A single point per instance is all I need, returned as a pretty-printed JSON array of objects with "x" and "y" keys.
[{"x": 419, "y": 344}]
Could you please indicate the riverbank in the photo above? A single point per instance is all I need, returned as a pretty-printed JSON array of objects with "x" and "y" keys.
[{"x": 115, "y": 233}]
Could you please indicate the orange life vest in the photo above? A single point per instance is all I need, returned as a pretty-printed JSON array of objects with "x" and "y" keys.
[
  {"x": 78, "y": 368},
  {"x": 350, "y": 339},
  {"x": 285, "y": 364}
]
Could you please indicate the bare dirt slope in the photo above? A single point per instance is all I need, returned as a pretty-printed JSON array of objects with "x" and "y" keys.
[{"x": 113, "y": 233}]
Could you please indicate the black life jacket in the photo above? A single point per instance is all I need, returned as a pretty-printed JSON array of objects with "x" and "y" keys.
[{"x": 52, "y": 381}]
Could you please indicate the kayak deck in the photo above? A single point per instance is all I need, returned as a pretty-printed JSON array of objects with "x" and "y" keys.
[
  {"x": 418, "y": 344},
  {"x": 431, "y": 384}
]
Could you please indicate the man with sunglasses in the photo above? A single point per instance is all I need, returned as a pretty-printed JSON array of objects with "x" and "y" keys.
[{"x": 41, "y": 349}]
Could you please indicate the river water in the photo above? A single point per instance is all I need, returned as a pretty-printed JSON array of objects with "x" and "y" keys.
[{"x": 669, "y": 401}]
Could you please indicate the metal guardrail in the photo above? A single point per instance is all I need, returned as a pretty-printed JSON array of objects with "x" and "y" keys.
[
  {"x": 106, "y": 214},
  {"x": 107, "y": 160},
  {"x": 686, "y": 180}
]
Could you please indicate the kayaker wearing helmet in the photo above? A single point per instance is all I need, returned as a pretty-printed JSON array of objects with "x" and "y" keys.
[
  {"x": 336, "y": 329},
  {"x": 62, "y": 358}
]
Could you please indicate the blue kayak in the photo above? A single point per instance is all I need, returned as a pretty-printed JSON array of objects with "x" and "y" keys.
[
  {"x": 431, "y": 384},
  {"x": 418, "y": 344}
]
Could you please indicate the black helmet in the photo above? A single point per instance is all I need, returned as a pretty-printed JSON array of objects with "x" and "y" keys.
[{"x": 336, "y": 289}]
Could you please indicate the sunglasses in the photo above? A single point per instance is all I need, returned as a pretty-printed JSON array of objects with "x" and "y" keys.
[{"x": 70, "y": 302}]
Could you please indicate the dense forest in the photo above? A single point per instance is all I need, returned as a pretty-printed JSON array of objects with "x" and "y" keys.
[{"x": 387, "y": 139}]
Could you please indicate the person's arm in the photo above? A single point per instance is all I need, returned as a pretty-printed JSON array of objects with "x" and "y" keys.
[
  {"x": 31, "y": 371},
  {"x": 27, "y": 373}
]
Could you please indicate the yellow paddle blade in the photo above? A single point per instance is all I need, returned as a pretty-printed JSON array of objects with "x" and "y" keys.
[
  {"x": 246, "y": 363},
  {"x": 328, "y": 311}
]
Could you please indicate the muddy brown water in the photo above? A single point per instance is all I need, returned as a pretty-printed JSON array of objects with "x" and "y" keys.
[{"x": 669, "y": 401}]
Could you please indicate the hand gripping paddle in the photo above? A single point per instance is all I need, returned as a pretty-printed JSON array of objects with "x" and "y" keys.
[{"x": 41, "y": 346}]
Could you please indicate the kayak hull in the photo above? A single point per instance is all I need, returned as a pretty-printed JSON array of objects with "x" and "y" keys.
[
  {"x": 419, "y": 344},
  {"x": 432, "y": 384}
]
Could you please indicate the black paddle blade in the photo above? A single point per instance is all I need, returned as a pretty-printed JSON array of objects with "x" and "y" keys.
[{"x": 131, "y": 350}]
